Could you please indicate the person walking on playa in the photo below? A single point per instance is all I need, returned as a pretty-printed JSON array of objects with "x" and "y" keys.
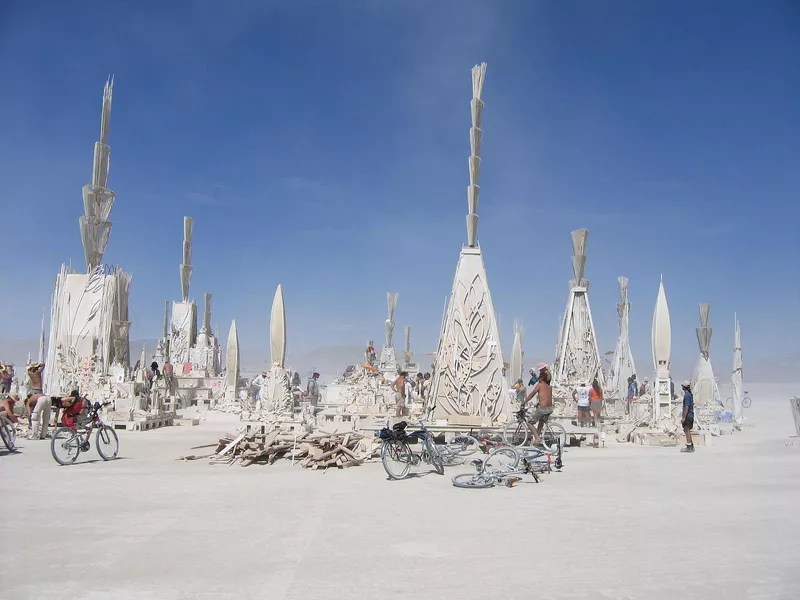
[
  {"x": 399, "y": 389},
  {"x": 544, "y": 407},
  {"x": 687, "y": 417},
  {"x": 581, "y": 394}
]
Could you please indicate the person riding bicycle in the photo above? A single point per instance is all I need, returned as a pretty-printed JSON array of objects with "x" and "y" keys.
[
  {"x": 72, "y": 405},
  {"x": 544, "y": 407}
]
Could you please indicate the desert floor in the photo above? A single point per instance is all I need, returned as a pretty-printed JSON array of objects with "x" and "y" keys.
[{"x": 624, "y": 521}]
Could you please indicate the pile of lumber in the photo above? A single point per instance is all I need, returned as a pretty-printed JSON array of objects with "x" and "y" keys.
[{"x": 318, "y": 450}]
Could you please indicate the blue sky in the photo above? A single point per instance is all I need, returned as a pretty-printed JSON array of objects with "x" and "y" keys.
[{"x": 324, "y": 146}]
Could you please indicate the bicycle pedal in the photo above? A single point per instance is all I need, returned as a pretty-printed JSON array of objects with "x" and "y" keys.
[{"x": 85, "y": 447}]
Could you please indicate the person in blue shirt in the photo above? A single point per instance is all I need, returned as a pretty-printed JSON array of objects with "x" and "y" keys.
[{"x": 687, "y": 416}]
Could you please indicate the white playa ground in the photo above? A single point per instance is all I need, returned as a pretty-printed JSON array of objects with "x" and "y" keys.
[{"x": 624, "y": 522}]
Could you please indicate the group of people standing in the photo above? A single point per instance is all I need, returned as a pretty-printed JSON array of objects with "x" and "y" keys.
[{"x": 406, "y": 388}]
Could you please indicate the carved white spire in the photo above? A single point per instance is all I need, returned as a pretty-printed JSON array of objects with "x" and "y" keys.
[
  {"x": 475, "y": 134},
  {"x": 277, "y": 329},
  {"x": 186, "y": 266},
  {"x": 391, "y": 300},
  {"x": 97, "y": 198},
  {"x": 41, "y": 341},
  {"x": 704, "y": 331}
]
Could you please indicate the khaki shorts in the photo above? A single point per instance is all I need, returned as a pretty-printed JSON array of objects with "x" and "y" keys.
[{"x": 541, "y": 414}]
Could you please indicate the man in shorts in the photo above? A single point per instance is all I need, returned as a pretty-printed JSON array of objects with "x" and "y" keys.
[
  {"x": 35, "y": 375},
  {"x": 687, "y": 416},
  {"x": 399, "y": 389},
  {"x": 544, "y": 407}
]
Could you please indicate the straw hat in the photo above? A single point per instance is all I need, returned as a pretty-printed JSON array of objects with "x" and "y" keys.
[{"x": 13, "y": 396}]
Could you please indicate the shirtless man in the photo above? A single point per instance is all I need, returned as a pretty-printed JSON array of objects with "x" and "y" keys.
[
  {"x": 544, "y": 407},
  {"x": 399, "y": 389},
  {"x": 35, "y": 375},
  {"x": 37, "y": 406}
]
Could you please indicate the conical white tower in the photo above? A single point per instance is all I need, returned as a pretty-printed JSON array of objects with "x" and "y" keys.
[
  {"x": 468, "y": 379},
  {"x": 704, "y": 384},
  {"x": 577, "y": 355},
  {"x": 737, "y": 379},
  {"x": 622, "y": 366},
  {"x": 662, "y": 346}
]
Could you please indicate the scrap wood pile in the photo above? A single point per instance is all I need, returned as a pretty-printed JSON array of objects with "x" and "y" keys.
[{"x": 318, "y": 450}]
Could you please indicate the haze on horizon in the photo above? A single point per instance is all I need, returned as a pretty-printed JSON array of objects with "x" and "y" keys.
[{"x": 325, "y": 148}]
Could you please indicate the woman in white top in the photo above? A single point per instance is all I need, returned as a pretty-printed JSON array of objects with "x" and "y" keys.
[{"x": 581, "y": 394}]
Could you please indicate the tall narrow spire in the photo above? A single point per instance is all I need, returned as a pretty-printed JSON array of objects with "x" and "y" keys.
[
  {"x": 475, "y": 134},
  {"x": 97, "y": 198},
  {"x": 41, "y": 340},
  {"x": 186, "y": 266},
  {"x": 391, "y": 301},
  {"x": 277, "y": 329}
]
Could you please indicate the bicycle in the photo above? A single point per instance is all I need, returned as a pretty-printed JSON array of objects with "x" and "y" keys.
[
  {"x": 458, "y": 449},
  {"x": 68, "y": 442},
  {"x": 506, "y": 466},
  {"x": 398, "y": 458},
  {"x": 516, "y": 432},
  {"x": 9, "y": 433},
  {"x": 746, "y": 401}
]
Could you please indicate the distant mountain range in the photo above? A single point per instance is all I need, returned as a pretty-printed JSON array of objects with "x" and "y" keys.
[{"x": 331, "y": 360}]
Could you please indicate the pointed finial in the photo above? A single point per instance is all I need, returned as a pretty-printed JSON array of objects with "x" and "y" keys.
[{"x": 475, "y": 135}]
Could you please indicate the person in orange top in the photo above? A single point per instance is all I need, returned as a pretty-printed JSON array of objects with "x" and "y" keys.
[{"x": 596, "y": 401}]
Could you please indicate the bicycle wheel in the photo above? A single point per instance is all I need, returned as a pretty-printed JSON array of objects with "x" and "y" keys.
[
  {"x": 473, "y": 480},
  {"x": 435, "y": 457},
  {"x": 9, "y": 435},
  {"x": 396, "y": 459},
  {"x": 500, "y": 460},
  {"x": 746, "y": 402},
  {"x": 65, "y": 446},
  {"x": 554, "y": 436},
  {"x": 463, "y": 445},
  {"x": 515, "y": 433},
  {"x": 107, "y": 443}
]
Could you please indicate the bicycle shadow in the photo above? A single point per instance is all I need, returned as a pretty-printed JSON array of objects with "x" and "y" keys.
[
  {"x": 92, "y": 461},
  {"x": 4, "y": 452},
  {"x": 413, "y": 476}
]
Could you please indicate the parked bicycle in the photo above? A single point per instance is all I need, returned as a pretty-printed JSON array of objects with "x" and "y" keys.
[
  {"x": 746, "y": 401},
  {"x": 516, "y": 432},
  {"x": 507, "y": 466},
  {"x": 9, "y": 433},
  {"x": 68, "y": 442},
  {"x": 397, "y": 456},
  {"x": 458, "y": 449}
]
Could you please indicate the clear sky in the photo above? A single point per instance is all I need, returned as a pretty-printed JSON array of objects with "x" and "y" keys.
[{"x": 324, "y": 145}]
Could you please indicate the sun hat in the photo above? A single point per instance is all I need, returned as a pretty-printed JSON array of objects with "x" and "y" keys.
[
  {"x": 685, "y": 384},
  {"x": 541, "y": 366}
]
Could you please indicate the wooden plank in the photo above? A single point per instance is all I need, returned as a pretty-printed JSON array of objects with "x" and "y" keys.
[{"x": 230, "y": 446}]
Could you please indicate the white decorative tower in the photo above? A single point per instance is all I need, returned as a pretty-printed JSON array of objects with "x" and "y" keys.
[
  {"x": 388, "y": 363},
  {"x": 89, "y": 324},
  {"x": 704, "y": 384},
  {"x": 468, "y": 379},
  {"x": 577, "y": 355},
  {"x": 183, "y": 325},
  {"x": 622, "y": 366},
  {"x": 232, "y": 365},
  {"x": 276, "y": 396},
  {"x": 737, "y": 379},
  {"x": 515, "y": 369},
  {"x": 662, "y": 346}
]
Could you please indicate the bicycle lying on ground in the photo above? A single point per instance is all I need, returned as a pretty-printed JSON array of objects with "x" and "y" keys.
[
  {"x": 9, "y": 433},
  {"x": 516, "y": 432},
  {"x": 458, "y": 449},
  {"x": 397, "y": 456},
  {"x": 507, "y": 465},
  {"x": 68, "y": 443}
]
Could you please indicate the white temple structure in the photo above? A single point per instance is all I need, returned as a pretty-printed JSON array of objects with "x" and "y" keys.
[
  {"x": 275, "y": 395},
  {"x": 577, "y": 355},
  {"x": 232, "y": 366},
  {"x": 622, "y": 365},
  {"x": 662, "y": 346},
  {"x": 408, "y": 363},
  {"x": 515, "y": 368},
  {"x": 737, "y": 380},
  {"x": 468, "y": 377},
  {"x": 388, "y": 359},
  {"x": 704, "y": 384},
  {"x": 89, "y": 323}
]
